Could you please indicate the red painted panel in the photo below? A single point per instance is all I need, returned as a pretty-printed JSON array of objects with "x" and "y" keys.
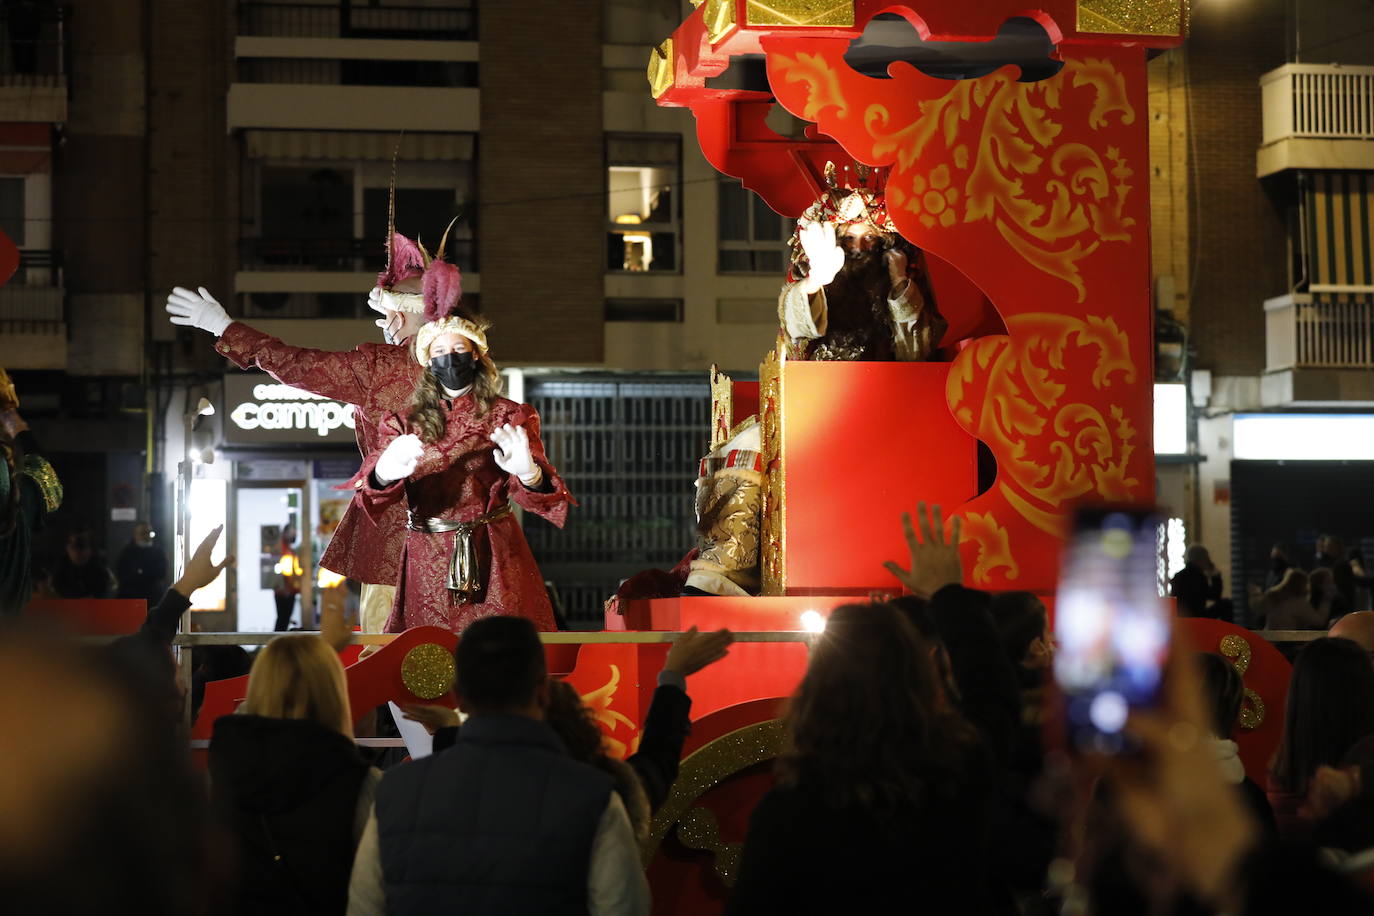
[{"x": 861, "y": 443}]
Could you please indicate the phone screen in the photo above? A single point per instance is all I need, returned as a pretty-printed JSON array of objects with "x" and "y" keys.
[{"x": 1111, "y": 626}]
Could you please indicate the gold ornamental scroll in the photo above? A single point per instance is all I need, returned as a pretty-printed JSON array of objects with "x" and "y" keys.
[
  {"x": 701, "y": 771},
  {"x": 772, "y": 527},
  {"x": 722, "y": 407}
]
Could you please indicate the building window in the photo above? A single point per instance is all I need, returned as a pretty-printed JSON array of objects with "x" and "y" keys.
[
  {"x": 643, "y": 212},
  {"x": 665, "y": 310},
  {"x": 12, "y": 209},
  {"x": 331, "y": 214},
  {"x": 752, "y": 238}
]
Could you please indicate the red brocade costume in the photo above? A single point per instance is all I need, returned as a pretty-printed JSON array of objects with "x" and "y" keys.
[
  {"x": 457, "y": 480},
  {"x": 376, "y": 379}
]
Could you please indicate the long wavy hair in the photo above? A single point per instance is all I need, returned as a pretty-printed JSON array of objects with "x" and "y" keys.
[
  {"x": 869, "y": 725},
  {"x": 427, "y": 413},
  {"x": 1330, "y": 707},
  {"x": 572, "y": 721}
]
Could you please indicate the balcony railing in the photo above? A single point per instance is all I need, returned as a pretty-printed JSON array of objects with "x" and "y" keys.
[
  {"x": 1303, "y": 331},
  {"x": 454, "y": 21},
  {"x": 353, "y": 255},
  {"x": 28, "y": 306},
  {"x": 1318, "y": 101}
]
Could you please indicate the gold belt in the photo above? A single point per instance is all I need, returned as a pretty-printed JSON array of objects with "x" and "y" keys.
[{"x": 462, "y": 561}]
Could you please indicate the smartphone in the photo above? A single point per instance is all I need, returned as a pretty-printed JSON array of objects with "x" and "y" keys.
[{"x": 1111, "y": 625}]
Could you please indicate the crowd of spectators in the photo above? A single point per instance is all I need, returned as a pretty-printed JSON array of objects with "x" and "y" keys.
[{"x": 914, "y": 776}]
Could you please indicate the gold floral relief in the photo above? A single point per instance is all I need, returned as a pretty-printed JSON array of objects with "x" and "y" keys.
[
  {"x": 1133, "y": 17},
  {"x": 999, "y": 158},
  {"x": 722, "y": 407},
  {"x": 772, "y": 534},
  {"x": 599, "y": 702},
  {"x": 808, "y": 13},
  {"x": 1053, "y": 443},
  {"x": 1054, "y": 440},
  {"x": 994, "y": 546},
  {"x": 1236, "y": 648}
]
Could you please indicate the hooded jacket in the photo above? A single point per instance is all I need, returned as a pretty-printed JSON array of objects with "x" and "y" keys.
[{"x": 291, "y": 791}]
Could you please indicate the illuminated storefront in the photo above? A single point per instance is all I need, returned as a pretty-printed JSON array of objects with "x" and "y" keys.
[{"x": 279, "y": 456}]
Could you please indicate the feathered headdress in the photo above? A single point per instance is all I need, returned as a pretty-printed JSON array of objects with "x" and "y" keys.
[
  {"x": 443, "y": 291},
  {"x": 404, "y": 258}
]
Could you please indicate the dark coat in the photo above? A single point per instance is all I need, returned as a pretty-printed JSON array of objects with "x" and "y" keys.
[
  {"x": 504, "y": 822},
  {"x": 288, "y": 790},
  {"x": 802, "y": 856}
]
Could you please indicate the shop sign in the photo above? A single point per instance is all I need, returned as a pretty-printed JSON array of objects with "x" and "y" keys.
[{"x": 259, "y": 410}]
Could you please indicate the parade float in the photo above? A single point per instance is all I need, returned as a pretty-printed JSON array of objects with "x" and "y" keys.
[{"x": 1025, "y": 197}]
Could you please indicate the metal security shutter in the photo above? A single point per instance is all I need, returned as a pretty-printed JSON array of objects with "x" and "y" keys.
[{"x": 628, "y": 447}]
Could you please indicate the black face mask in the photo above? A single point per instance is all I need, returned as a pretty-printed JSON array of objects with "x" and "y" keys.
[{"x": 455, "y": 371}]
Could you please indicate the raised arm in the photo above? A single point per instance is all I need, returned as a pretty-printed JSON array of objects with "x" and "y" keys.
[{"x": 346, "y": 375}]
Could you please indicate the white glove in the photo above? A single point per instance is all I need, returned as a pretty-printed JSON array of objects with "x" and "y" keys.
[
  {"x": 513, "y": 454},
  {"x": 197, "y": 310},
  {"x": 398, "y": 459},
  {"x": 374, "y": 300},
  {"x": 822, "y": 253}
]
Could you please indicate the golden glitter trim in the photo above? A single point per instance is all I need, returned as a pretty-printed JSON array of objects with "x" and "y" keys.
[
  {"x": 42, "y": 474},
  {"x": 773, "y": 525},
  {"x": 661, "y": 68},
  {"x": 700, "y": 830},
  {"x": 719, "y": 19},
  {"x": 707, "y": 767},
  {"x": 800, "y": 13},
  {"x": 722, "y": 407},
  {"x": 1132, "y": 17},
  {"x": 9, "y": 397},
  {"x": 427, "y": 671},
  {"x": 1237, "y": 648}
]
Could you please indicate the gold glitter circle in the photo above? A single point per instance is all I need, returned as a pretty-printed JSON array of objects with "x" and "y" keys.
[{"x": 427, "y": 671}]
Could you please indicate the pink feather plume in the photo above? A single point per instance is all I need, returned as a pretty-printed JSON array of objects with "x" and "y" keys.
[
  {"x": 406, "y": 261},
  {"x": 443, "y": 288}
]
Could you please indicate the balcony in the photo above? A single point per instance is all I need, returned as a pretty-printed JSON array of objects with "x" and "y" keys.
[
  {"x": 349, "y": 66},
  {"x": 334, "y": 255},
  {"x": 33, "y": 64},
  {"x": 453, "y": 21},
  {"x": 1317, "y": 116},
  {"x": 1319, "y": 350},
  {"x": 33, "y": 328}
]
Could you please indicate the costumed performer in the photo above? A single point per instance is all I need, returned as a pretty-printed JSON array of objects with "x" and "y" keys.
[
  {"x": 29, "y": 491},
  {"x": 374, "y": 378},
  {"x": 457, "y": 459},
  {"x": 856, "y": 289},
  {"x": 729, "y": 508}
]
